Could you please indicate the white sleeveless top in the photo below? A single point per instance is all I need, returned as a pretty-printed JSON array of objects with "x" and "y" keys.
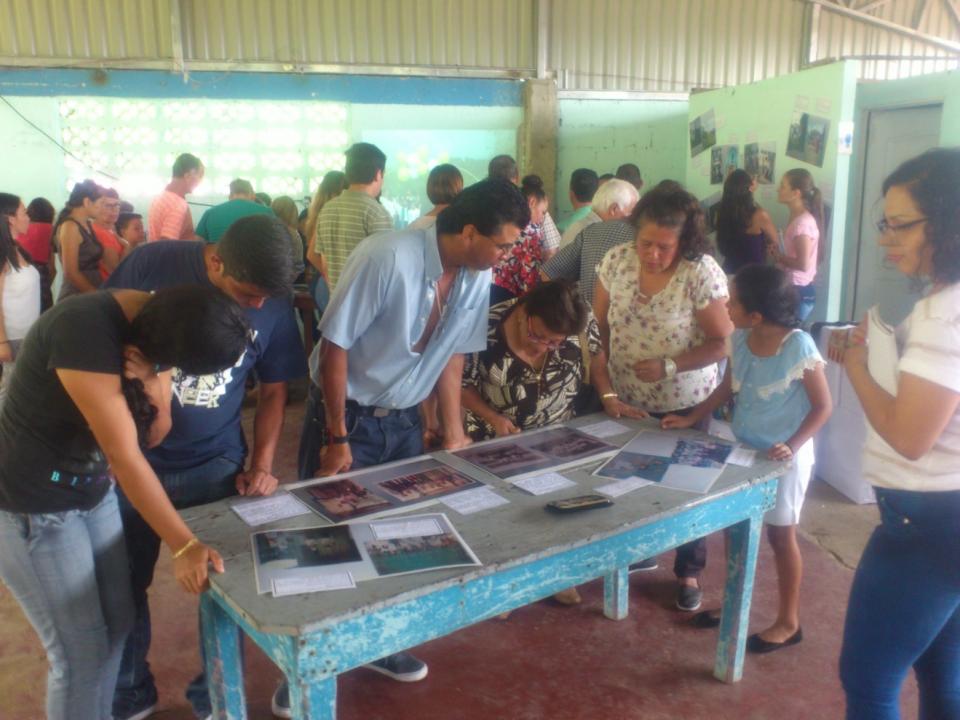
[{"x": 21, "y": 300}]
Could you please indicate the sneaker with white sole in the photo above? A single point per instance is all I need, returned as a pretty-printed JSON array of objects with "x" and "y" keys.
[
  {"x": 280, "y": 702},
  {"x": 141, "y": 714},
  {"x": 401, "y": 666},
  {"x": 644, "y": 566},
  {"x": 689, "y": 598}
]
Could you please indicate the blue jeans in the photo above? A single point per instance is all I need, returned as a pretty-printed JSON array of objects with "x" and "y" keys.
[
  {"x": 373, "y": 441},
  {"x": 206, "y": 483},
  {"x": 904, "y": 609},
  {"x": 69, "y": 572},
  {"x": 807, "y": 299}
]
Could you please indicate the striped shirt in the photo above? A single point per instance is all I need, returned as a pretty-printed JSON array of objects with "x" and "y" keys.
[
  {"x": 931, "y": 352},
  {"x": 579, "y": 259},
  {"x": 169, "y": 218},
  {"x": 343, "y": 223}
]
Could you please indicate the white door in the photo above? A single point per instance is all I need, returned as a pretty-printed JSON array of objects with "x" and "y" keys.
[{"x": 892, "y": 137}]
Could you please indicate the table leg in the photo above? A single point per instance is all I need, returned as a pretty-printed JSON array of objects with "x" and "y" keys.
[
  {"x": 224, "y": 666},
  {"x": 744, "y": 541},
  {"x": 314, "y": 701},
  {"x": 616, "y": 594}
]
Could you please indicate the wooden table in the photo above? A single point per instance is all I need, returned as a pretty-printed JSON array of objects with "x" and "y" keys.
[{"x": 528, "y": 554}]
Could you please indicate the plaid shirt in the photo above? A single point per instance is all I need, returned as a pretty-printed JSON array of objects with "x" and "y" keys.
[{"x": 579, "y": 259}]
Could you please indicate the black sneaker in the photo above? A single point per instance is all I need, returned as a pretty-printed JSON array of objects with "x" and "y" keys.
[
  {"x": 689, "y": 598},
  {"x": 644, "y": 565},
  {"x": 280, "y": 702},
  {"x": 136, "y": 704},
  {"x": 401, "y": 666}
]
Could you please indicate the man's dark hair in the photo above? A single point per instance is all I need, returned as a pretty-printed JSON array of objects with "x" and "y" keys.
[
  {"x": 443, "y": 184},
  {"x": 241, "y": 187},
  {"x": 185, "y": 163},
  {"x": 363, "y": 162},
  {"x": 41, "y": 210},
  {"x": 124, "y": 219},
  {"x": 256, "y": 250},
  {"x": 606, "y": 176},
  {"x": 583, "y": 184},
  {"x": 630, "y": 173},
  {"x": 559, "y": 305},
  {"x": 126, "y": 207},
  {"x": 503, "y": 167},
  {"x": 263, "y": 199},
  {"x": 487, "y": 205},
  {"x": 196, "y": 328}
]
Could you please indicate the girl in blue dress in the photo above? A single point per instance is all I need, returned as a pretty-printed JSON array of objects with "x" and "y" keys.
[{"x": 781, "y": 400}]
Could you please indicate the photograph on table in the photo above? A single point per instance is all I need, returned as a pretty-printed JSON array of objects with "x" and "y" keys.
[
  {"x": 535, "y": 451},
  {"x": 681, "y": 462},
  {"x": 807, "y": 139},
  {"x": 382, "y": 489},
  {"x": 430, "y": 542},
  {"x": 279, "y": 553},
  {"x": 703, "y": 133}
]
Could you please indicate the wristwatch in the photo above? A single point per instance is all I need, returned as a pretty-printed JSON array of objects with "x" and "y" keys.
[
  {"x": 337, "y": 439},
  {"x": 669, "y": 367}
]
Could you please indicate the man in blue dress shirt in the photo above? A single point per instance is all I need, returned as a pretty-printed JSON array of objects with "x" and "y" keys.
[{"x": 408, "y": 306}]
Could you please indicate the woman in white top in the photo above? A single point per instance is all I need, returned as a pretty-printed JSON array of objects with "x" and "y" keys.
[
  {"x": 19, "y": 287},
  {"x": 444, "y": 183},
  {"x": 904, "y": 606},
  {"x": 660, "y": 303},
  {"x": 801, "y": 238}
]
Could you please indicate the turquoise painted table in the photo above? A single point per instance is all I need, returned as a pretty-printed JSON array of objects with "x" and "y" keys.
[{"x": 528, "y": 554}]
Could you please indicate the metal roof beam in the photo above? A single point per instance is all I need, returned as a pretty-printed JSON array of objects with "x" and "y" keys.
[{"x": 933, "y": 40}]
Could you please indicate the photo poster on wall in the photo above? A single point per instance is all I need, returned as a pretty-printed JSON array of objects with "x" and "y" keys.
[
  {"x": 759, "y": 159},
  {"x": 724, "y": 159},
  {"x": 711, "y": 206},
  {"x": 807, "y": 139},
  {"x": 703, "y": 133}
]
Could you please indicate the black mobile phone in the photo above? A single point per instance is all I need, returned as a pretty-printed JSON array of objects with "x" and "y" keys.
[{"x": 576, "y": 504}]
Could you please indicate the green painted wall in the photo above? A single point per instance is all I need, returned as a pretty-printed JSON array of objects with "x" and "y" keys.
[
  {"x": 32, "y": 164},
  {"x": 603, "y": 134},
  {"x": 762, "y": 112}
]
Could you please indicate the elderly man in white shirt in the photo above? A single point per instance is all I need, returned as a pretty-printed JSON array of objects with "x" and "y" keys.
[{"x": 614, "y": 200}]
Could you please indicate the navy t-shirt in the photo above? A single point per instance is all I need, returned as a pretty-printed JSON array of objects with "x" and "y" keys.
[
  {"x": 49, "y": 460},
  {"x": 206, "y": 409}
]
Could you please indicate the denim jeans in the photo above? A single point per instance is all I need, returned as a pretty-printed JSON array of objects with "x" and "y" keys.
[
  {"x": 904, "y": 609},
  {"x": 373, "y": 440},
  {"x": 206, "y": 483},
  {"x": 69, "y": 572},
  {"x": 807, "y": 299}
]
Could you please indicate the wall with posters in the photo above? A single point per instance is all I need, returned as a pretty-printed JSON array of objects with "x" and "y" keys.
[
  {"x": 770, "y": 127},
  {"x": 603, "y": 134}
]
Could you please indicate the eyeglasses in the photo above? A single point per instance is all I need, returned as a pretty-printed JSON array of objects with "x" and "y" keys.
[
  {"x": 533, "y": 337},
  {"x": 884, "y": 227}
]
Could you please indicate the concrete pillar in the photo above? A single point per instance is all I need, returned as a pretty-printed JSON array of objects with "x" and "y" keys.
[{"x": 537, "y": 144}]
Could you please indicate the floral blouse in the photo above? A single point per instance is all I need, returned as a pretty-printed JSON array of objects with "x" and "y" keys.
[
  {"x": 520, "y": 270},
  {"x": 530, "y": 398},
  {"x": 659, "y": 327}
]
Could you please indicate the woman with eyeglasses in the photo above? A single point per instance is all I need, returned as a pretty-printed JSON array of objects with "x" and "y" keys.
[
  {"x": 661, "y": 306},
  {"x": 801, "y": 238},
  {"x": 904, "y": 608}
]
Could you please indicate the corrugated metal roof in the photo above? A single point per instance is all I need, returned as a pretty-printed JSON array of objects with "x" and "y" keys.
[{"x": 623, "y": 45}]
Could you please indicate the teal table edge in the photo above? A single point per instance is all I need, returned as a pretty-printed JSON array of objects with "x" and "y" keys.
[{"x": 312, "y": 661}]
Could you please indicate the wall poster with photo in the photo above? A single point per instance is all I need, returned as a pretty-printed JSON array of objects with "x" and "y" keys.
[
  {"x": 511, "y": 457},
  {"x": 703, "y": 133},
  {"x": 724, "y": 159},
  {"x": 384, "y": 489},
  {"x": 365, "y": 550},
  {"x": 807, "y": 139},
  {"x": 759, "y": 159}
]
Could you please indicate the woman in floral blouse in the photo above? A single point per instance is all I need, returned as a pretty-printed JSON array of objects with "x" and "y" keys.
[
  {"x": 661, "y": 307},
  {"x": 533, "y": 368},
  {"x": 520, "y": 270}
]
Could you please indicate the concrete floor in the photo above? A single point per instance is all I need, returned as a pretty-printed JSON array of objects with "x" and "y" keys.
[{"x": 545, "y": 661}]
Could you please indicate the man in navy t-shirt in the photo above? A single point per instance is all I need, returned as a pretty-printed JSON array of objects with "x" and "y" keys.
[{"x": 202, "y": 458}]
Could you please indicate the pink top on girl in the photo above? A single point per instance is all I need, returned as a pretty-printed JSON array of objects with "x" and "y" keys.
[{"x": 803, "y": 224}]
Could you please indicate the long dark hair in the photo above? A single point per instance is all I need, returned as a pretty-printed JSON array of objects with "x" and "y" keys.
[
  {"x": 933, "y": 181},
  {"x": 9, "y": 204},
  {"x": 736, "y": 210},
  {"x": 802, "y": 180}
]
